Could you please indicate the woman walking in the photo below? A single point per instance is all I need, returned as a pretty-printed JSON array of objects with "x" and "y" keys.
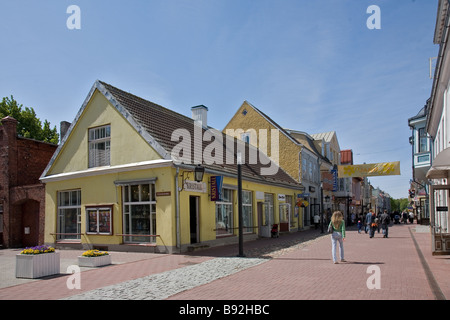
[{"x": 338, "y": 235}]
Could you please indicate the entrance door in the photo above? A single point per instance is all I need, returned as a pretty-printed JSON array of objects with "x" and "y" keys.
[
  {"x": 265, "y": 217},
  {"x": 439, "y": 219},
  {"x": 193, "y": 218},
  {"x": 30, "y": 223},
  {"x": 259, "y": 209}
]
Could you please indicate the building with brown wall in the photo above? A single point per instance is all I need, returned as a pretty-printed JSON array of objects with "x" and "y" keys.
[{"x": 22, "y": 207}]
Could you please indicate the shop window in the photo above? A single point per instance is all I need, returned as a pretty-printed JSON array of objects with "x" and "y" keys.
[
  {"x": 99, "y": 220},
  {"x": 224, "y": 213},
  {"x": 69, "y": 215},
  {"x": 268, "y": 218},
  {"x": 289, "y": 200},
  {"x": 139, "y": 212},
  {"x": 247, "y": 211},
  {"x": 99, "y": 146}
]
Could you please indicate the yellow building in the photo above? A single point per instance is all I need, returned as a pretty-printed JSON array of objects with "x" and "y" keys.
[
  {"x": 294, "y": 151},
  {"x": 123, "y": 179}
]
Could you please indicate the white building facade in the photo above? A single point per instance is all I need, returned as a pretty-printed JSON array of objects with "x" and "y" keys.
[{"x": 438, "y": 128}]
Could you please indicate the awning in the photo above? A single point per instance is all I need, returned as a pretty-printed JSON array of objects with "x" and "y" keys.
[{"x": 441, "y": 165}]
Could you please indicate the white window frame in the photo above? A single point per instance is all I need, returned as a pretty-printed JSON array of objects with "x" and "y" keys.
[
  {"x": 226, "y": 226},
  {"x": 98, "y": 210},
  {"x": 96, "y": 137},
  {"x": 247, "y": 208},
  {"x": 62, "y": 207},
  {"x": 268, "y": 204},
  {"x": 128, "y": 203}
]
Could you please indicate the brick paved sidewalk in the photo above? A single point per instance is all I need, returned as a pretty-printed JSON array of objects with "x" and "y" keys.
[
  {"x": 139, "y": 265},
  {"x": 308, "y": 272},
  {"x": 299, "y": 266},
  {"x": 126, "y": 266}
]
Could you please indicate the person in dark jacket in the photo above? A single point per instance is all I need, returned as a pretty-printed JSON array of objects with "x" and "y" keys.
[
  {"x": 371, "y": 224},
  {"x": 385, "y": 220}
]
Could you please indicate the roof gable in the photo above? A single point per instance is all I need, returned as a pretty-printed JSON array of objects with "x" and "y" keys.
[
  {"x": 157, "y": 126},
  {"x": 75, "y": 137}
]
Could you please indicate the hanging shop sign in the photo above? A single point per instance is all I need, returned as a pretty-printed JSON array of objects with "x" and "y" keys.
[
  {"x": 216, "y": 188},
  {"x": 366, "y": 170},
  {"x": 335, "y": 180},
  {"x": 194, "y": 186},
  {"x": 302, "y": 203}
]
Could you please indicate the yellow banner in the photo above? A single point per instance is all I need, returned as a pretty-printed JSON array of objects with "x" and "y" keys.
[{"x": 366, "y": 170}]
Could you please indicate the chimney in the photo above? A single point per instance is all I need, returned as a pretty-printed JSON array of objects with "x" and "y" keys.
[
  {"x": 63, "y": 127},
  {"x": 200, "y": 115},
  {"x": 10, "y": 127}
]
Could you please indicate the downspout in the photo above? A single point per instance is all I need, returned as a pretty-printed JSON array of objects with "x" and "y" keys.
[{"x": 177, "y": 209}]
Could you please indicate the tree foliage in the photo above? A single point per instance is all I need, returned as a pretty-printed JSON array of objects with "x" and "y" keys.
[
  {"x": 28, "y": 124},
  {"x": 399, "y": 204}
]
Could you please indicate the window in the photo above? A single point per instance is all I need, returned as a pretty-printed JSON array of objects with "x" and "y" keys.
[
  {"x": 423, "y": 140},
  {"x": 139, "y": 212},
  {"x": 284, "y": 212},
  {"x": 99, "y": 146},
  {"x": 224, "y": 213},
  {"x": 245, "y": 137},
  {"x": 247, "y": 211},
  {"x": 69, "y": 215},
  {"x": 304, "y": 169},
  {"x": 329, "y": 154},
  {"x": 289, "y": 209},
  {"x": 268, "y": 210},
  {"x": 98, "y": 220}
]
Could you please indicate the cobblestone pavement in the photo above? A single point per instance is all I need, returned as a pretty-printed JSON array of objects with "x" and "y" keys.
[{"x": 293, "y": 266}]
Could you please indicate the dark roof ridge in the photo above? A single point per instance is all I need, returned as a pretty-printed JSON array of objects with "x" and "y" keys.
[{"x": 162, "y": 108}]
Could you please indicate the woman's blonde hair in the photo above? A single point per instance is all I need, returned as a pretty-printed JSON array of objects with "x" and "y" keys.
[{"x": 336, "y": 219}]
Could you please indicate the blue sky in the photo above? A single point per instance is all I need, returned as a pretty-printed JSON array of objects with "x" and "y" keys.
[{"x": 312, "y": 66}]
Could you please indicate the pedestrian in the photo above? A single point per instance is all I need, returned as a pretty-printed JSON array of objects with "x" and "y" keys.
[
  {"x": 385, "y": 220},
  {"x": 338, "y": 235},
  {"x": 411, "y": 217},
  {"x": 405, "y": 217},
  {"x": 316, "y": 220},
  {"x": 368, "y": 221},
  {"x": 377, "y": 221},
  {"x": 359, "y": 226}
]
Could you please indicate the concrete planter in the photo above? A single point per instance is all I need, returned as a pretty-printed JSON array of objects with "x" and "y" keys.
[
  {"x": 36, "y": 266},
  {"x": 94, "y": 261}
]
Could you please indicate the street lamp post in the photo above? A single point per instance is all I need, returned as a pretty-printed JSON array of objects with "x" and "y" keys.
[
  {"x": 321, "y": 209},
  {"x": 241, "y": 220}
]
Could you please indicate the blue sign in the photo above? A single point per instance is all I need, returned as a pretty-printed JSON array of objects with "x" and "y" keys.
[
  {"x": 335, "y": 180},
  {"x": 216, "y": 188}
]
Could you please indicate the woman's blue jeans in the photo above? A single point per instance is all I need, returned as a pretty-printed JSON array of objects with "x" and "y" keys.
[{"x": 336, "y": 237}]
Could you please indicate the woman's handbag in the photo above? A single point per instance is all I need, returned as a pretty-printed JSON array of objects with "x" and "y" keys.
[{"x": 330, "y": 228}]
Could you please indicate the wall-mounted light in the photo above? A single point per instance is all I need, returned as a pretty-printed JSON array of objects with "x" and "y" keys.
[{"x": 198, "y": 173}]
